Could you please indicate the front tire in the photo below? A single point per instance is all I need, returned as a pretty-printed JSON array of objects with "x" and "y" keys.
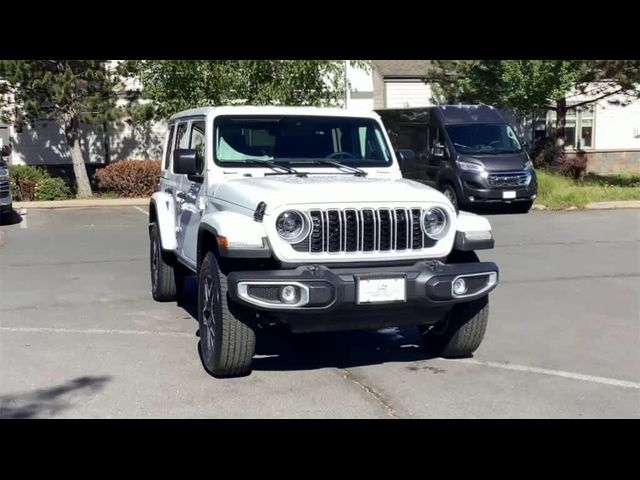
[
  {"x": 450, "y": 192},
  {"x": 227, "y": 343},
  {"x": 461, "y": 333},
  {"x": 163, "y": 277},
  {"x": 521, "y": 207}
]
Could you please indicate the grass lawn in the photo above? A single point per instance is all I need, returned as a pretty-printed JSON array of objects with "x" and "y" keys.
[{"x": 557, "y": 192}]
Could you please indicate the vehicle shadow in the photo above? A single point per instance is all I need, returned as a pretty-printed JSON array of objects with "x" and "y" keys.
[
  {"x": 11, "y": 218},
  {"x": 494, "y": 209},
  {"x": 48, "y": 402},
  {"x": 278, "y": 349}
]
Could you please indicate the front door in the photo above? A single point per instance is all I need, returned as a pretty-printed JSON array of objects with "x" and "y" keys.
[{"x": 194, "y": 192}]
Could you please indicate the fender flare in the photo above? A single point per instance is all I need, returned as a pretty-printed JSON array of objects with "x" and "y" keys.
[{"x": 162, "y": 205}]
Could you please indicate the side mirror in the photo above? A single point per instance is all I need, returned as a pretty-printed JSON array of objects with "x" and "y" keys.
[
  {"x": 184, "y": 161},
  {"x": 5, "y": 151},
  {"x": 438, "y": 150},
  {"x": 406, "y": 159}
]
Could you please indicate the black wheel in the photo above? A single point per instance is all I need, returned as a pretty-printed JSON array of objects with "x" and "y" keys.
[
  {"x": 450, "y": 192},
  {"x": 163, "y": 279},
  {"x": 521, "y": 207},
  {"x": 461, "y": 333},
  {"x": 227, "y": 343},
  {"x": 462, "y": 330}
]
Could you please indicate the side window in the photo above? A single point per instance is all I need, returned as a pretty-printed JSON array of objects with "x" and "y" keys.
[
  {"x": 413, "y": 137},
  {"x": 196, "y": 142},
  {"x": 169, "y": 148},
  {"x": 182, "y": 139}
]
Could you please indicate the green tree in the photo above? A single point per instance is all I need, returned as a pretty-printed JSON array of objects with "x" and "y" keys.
[
  {"x": 175, "y": 85},
  {"x": 72, "y": 93},
  {"x": 532, "y": 85}
]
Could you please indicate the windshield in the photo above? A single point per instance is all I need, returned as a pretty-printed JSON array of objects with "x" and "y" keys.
[
  {"x": 293, "y": 139},
  {"x": 484, "y": 138}
]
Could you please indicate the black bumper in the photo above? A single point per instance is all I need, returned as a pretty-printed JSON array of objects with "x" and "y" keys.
[
  {"x": 333, "y": 292},
  {"x": 476, "y": 189}
]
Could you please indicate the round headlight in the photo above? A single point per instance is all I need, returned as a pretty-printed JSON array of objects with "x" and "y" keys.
[
  {"x": 435, "y": 223},
  {"x": 292, "y": 226}
]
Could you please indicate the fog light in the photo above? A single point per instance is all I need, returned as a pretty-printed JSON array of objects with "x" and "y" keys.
[
  {"x": 460, "y": 286},
  {"x": 289, "y": 294}
]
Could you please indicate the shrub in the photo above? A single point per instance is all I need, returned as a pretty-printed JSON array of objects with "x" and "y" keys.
[
  {"x": 130, "y": 178},
  {"x": 551, "y": 157},
  {"x": 24, "y": 180},
  {"x": 51, "y": 189}
]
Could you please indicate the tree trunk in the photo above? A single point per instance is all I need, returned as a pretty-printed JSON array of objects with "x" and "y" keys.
[
  {"x": 72, "y": 132},
  {"x": 561, "y": 122}
]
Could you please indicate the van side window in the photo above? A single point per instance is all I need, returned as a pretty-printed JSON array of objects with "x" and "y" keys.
[
  {"x": 196, "y": 142},
  {"x": 413, "y": 137},
  {"x": 434, "y": 137},
  {"x": 169, "y": 148}
]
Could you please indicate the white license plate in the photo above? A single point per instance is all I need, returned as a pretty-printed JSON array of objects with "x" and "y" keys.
[
  {"x": 381, "y": 290},
  {"x": 509, "y": 194}
]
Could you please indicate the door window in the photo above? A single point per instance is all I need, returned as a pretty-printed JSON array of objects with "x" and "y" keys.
[
  {"x": 169, "y": 149},
  {"x": 197, "y": 142}
]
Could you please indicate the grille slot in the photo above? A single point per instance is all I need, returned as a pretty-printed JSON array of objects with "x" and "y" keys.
[
  {"x": 365, "y": 230},
  {"x": 508, "y": 180}
]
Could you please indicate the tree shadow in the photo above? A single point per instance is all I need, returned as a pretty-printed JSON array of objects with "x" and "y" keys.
[
  {"x": 47, "y": 402},
  {"x": 279, "y": 349}
]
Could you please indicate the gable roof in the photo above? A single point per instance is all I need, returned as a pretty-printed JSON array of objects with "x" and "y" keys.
[{"x": 404, "y": 68}]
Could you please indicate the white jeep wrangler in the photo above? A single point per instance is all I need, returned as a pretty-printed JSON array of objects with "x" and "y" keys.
[{"x": 301, "y": 216}]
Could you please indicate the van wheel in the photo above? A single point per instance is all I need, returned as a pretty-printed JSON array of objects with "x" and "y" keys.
[
  {"x": 461, "y": 333},
  {"x": 521, "y": 207},
  {"x": 163, "y": 278},
  {"x": 227, "y": 343},
  {"x": 450, "y": 193}
]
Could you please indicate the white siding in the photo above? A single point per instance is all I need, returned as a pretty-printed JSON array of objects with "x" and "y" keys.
[
  {"x": 617, "y": 128},
  {"x": 407, "y": 94}
]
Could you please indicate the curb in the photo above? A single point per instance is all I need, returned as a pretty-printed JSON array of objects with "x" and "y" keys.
[
  {"x": 85, "y": 203},
  {"x": 626, "y": 204}
]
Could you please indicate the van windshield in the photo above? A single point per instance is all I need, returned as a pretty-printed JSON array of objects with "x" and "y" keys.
[
  {"x": 484, "y": 138},
  {"x": 299, "y": 140}
]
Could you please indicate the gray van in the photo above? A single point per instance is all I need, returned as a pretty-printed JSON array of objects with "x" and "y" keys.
[{"x": 469, "y": 152}]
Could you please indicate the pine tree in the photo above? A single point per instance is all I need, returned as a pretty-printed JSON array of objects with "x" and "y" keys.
[{"x": 72, "y": 93}]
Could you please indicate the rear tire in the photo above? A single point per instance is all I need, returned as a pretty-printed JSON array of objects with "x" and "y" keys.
[
  {"x": 461, "y": 333},
  {"x": 163, "y": 279},
  {"x": 227, "y": 342}
]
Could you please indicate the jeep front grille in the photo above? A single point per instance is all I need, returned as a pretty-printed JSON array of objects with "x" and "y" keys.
[{"x": 364, "y": 230}]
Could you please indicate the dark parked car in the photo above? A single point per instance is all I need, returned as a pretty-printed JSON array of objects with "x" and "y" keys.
[
  {"x": 469, "y": 152},
  {"x": 5, "y": 191}
]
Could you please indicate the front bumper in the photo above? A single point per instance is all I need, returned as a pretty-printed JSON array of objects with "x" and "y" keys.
[
  {"x": 477, "y": 189},
  {"x": 331, "y": 294}
]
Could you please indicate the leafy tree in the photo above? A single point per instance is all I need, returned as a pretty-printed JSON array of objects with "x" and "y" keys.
[
  {"x": 72, "y": 93},
  {"x": 175, "y": 85},
  {"x": 532, "y": 85}
]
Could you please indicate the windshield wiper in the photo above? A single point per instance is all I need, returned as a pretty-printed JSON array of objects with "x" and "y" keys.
[
  {"x": 358, "y": 172},
  {"x": 274, "y": 166}
]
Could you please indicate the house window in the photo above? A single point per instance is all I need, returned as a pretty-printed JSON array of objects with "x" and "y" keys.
[{"x": 579, "y": 127}]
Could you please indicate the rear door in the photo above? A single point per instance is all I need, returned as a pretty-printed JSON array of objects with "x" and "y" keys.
[{"x": 181, "y": 141}]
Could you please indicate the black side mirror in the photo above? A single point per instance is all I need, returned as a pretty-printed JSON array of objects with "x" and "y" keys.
[
  {"x": 6, "y": 151},
  {"x": 406, "y": 159},
  {"x": 184, "y": 161}
]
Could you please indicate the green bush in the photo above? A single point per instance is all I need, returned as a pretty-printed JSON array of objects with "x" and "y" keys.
[
  {"x": 34, "y": 183},
  {"x": 52, "y": 189}
]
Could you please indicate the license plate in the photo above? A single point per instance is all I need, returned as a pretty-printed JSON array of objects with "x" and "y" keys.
[
  {"x": 381, "y": 290},
  {"x": 509, "y": 194}
]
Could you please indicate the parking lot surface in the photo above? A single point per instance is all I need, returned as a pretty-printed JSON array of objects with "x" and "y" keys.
[{"x": 81, "y": 337}]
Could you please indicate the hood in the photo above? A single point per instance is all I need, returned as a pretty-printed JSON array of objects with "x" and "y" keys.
[
  {"x": 317, "y": 189},
  {"x": 496, "y": 163}
]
